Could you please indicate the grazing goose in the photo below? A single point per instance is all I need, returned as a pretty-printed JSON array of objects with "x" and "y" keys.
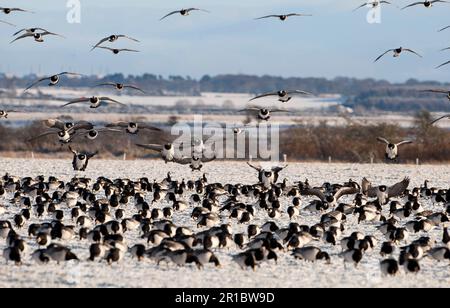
[
  {"x": 311, "y": 254},
  {"x": 95, "y": 102},
  {"x": 283, "y": 17},
  {"x": 397, "y": 52},
  {"x": 54, "y": 79},
  {"x": 262, "y": 114},
  {"x": 184, "y": 12},
  {"x": 392, "y": 148},
  {"x": 283, "y": 95},
  {"x": 427, "y": 3},
  {"x": 120, "y": 86},
  {"x": 113, "y": 38},
  {"x": 38, "y": 37}
]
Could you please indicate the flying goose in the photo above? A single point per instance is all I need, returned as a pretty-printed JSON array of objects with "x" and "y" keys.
[
  {"x": 5, "y": 113},
  {"x": 397, "y": 52},
  {"x": 7, "y": 10},
  {"x": 373, "y": 4},
  {"x": 283, "y": 17},
  {"x": 54, "y": 79},
  {"x": 120, "y": 86},
  {"x": 38, "y": 37},
  {"x": 113, "y": 38},
  {"x": 64, "y": 131},
  {"x": 94, "y": 133},
  {"x": 443, "y": 64},
  {"x": 283, "y": 95},
  {"x": 184, "y": 12},
  {"x": 267, "y": 176},
  {"x": 262, "y": 114},
  {"x": 117, "y": 51},
  {"x": 195, "y": 163},
  {"x": 167, "y": 150},
  {"x": 427, "y": 4},
  {"x": 334, "y": 197},
  {"x": 7, "y": 23},
  {"x": 95, "y": 101},
  {"x": 133, "y": 127},
  {"x": 30, "y": 31},
  {"x": 392, "y": 148},
  {"x": 446, "y": 92},
  {"x": 81, "y": 160}
]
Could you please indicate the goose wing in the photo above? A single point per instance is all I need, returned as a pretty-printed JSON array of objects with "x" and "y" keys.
[
  {"x": 367, "y": 188},
  {"x": 382, "y": 55},
  {"x": 314, "y": 192},
  {"x": 36, "y": 83},
  {"x": 170, "y": 14},
  {"x": 439, "y": 119},
  {"x": 412, "y": 51},
  {"x": 151, "y": 147},
  {"x": 413, "y": 4},
  {"x": 399, "y": 188},
  {"x": 383, "y": 140},
  {"x": 405, "y": 142},
  {"x": 77, "y": 101},
  {"x": 346, "y": 191}
]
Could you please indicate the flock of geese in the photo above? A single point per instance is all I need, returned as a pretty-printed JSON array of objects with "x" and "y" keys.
[{"x": 104, "y": 214}]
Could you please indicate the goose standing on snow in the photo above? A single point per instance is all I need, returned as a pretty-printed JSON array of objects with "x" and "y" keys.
[
  {"x": 397, "y": 52},
  {"x": 392, "y": 148}
]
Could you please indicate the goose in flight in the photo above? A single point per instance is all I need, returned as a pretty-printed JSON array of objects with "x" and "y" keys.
[
  {"x": 54, "y": 79},
  {"x": 427, "y": 4},
  {"x": 94, "y": 133},
  {"x": 184, "y": 12},
  {"x": 397, "y": 52},
  {"x": 64, "y": 131},
  {"x": 30, "y": 31},
  {"x": 373, "y": 4},
  {"x": 95, "y": 101},
  {"x": 113, "y": 38},
  {"x": 445, "y": 92},
  {"x": 283, "y": 95},
  {"x": 120, "y": 86},
  {"x": 167, "y": 151},
  {"x": 195, "y": 163},
  {"x": 5, "y": 113},
  {"x": 392, "y": 148},
  {"x": 7, "y": 23},
  {"x": 133, "y": 127},
  {"x": 284, "y": 17},
  {"x": 8, "y": 10},
  {"x": 262, "y": 114},
  {"x": 267, "y": 176},
  {"x": 117, "y": 51},
  {"x": 38, "y": 37}
]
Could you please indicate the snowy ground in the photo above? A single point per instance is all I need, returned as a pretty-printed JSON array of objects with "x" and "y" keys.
[{"x": 287, "y": 273}]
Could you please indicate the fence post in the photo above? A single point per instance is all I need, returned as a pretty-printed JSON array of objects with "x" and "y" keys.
[
  {"x": 417, "y": 161},
  {"x": 125, "y": 156},
  {"x": 285, "y": 158},
  {"x": 329, "y": 159}
]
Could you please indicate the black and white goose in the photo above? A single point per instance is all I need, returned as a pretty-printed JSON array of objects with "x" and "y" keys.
[
  {"x": 8, "y": 10},
  {"x": 397, "y": 52},
  {"x": 116, "y": 51},
  {"x": 284, "y": 96},
  {"x": 196, "y": 162},
  {"x": 81, "y": 160},
  {"x": 5, "y": 113},
  {"x": 133, "y": 128},
  {"x": 113, "y": 38},
  {"x": 95, "y": 102},
  {"x": 284, "y": 17},
  {"x": 392, "y": 148},
  {"x": 167, "y": 151},
  {"x": 384, "y": 193},
  {"x": 373, "y": 4},
  {"x": 120, "y": 86},
  {"x": 93, "y": 134},
  {"x": 64, "y": 131},
  {"x": 311, "y": 254},
  {"x": 53, "y": 80},
  {"x": 30, "y": 30},
  {"x": 184, "y": 12},
  {"x": 267, "y": 176},
  {"x": 262, "y": 114},
  {"x": 427, "y": 4},
  {"x": 37, "y": 36},
  {"x": 389, "y": 267}
]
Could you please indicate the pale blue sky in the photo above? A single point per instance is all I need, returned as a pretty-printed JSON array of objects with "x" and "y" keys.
[{"x": 334, "y": 42}]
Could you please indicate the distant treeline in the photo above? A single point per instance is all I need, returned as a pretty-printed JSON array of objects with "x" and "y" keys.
[
  {"x": 352, "y": 143},
  {"x": 361, "y": 94}
]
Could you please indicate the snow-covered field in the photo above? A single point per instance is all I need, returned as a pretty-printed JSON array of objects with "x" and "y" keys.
[{"x": 289, "y": 272}]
